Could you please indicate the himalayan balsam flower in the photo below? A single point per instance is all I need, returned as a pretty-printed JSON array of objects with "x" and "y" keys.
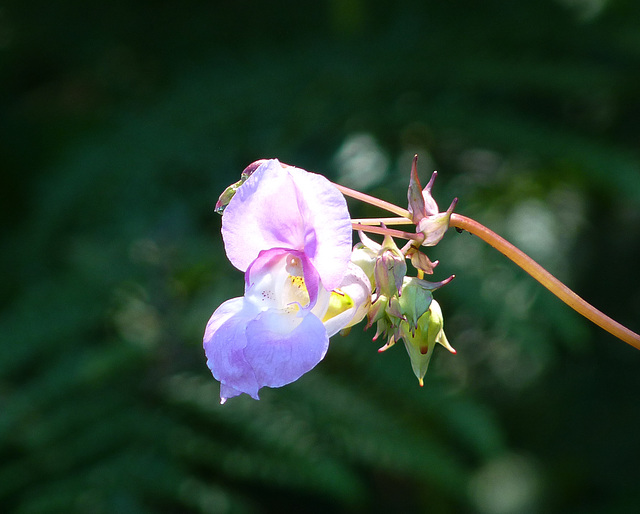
[{"x": 290, "y": 231}]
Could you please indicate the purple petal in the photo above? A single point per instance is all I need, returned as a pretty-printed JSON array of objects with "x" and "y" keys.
[
  {"x": 226, "y": 392},
  {"x": 283, "y": 348},
  {"x": 267, "y": 261},
  {"x": 311, "y": 280},
  {"x": 224, "y": 343},
  {"x": 262, "y": 214},
  {"x": 329, "y": 233},
  {"x": 286, "y": 207}
]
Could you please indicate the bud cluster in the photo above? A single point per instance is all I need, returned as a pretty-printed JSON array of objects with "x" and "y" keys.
[{"x": 402, "y": 307}]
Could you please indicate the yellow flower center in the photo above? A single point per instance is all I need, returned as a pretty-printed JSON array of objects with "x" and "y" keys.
[{"x": 338, "y": 303}]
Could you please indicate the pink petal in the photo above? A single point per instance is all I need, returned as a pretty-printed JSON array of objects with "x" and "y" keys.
[
  {"x": 282, "y": 348},
  {"x": 268, "y": 259},
  {"x": 224, "y": 344},
  {"x": 289, "y": 208},
  {"x": 324, "y": 209}
]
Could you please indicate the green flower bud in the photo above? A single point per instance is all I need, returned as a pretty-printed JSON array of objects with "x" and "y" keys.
[
  {"x": 421, "y": 341},
  {"x": 377, "y": 311},
  {"x": 390, "y": 268},
  {"x": 415, "y": 300},
  {"x": 394, "y": 311},
  {"x": 387, "y": 315}
]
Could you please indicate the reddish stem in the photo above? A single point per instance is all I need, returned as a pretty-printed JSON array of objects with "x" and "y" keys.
[
  {"x": 386, "y": 231},
  {"x": 546, "y": 279}
]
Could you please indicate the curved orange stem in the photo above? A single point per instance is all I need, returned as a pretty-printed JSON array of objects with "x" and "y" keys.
[
  {"x": 506, "y": 248},
  {"x": 372, "y": 200},
  {"x": 546, "y": 279}
]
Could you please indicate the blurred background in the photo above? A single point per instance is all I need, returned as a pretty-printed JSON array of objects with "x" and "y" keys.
[{"x": 120, "y": 124}]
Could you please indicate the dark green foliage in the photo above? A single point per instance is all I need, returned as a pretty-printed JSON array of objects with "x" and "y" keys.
[{"x": 120, "y": 125}]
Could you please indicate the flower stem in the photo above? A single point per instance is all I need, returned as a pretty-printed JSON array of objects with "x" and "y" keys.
[
  {"x": 363, "y": 197},
  {"x": 385, "y": 231},
  {"x": 546, "y": 279},
  {"x": 386, "y": 221}
]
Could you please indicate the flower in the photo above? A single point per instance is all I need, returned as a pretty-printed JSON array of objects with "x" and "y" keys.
[
  {"x": 290, "y": 231},
  {"x": 279, "y": 329}
]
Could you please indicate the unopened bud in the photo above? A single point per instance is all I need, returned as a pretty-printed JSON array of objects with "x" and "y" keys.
[
  {"x": 390, "y": 268},
  {"x": 377, "y": 311},
  {"x": 421, "y": 342},
  {"x": 415, "y": 300},
  {"x": 434, "y": 226},
  {"x": 424, "y": 209},
  {"x": 421, "y": 261}
]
